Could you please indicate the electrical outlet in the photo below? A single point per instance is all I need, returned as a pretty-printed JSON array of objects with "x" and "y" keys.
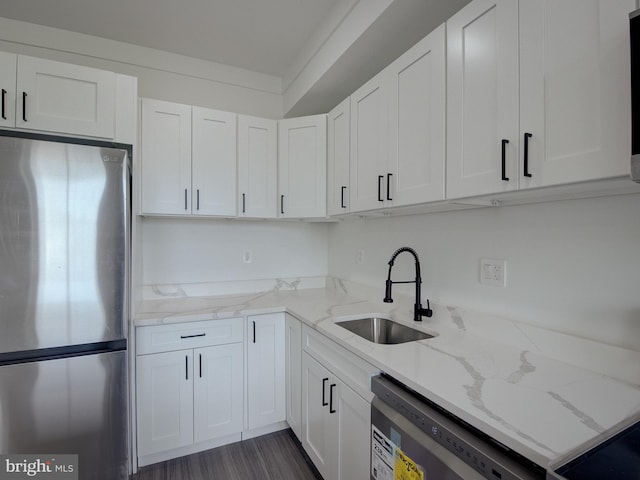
[
  {"x": 247, "y": 256},
  {"x": 493, "y": 272},
  {"x": 360, "y": 257}
]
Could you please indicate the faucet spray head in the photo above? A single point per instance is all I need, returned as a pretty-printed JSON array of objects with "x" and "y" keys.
[{"x": 387, "y": 293}]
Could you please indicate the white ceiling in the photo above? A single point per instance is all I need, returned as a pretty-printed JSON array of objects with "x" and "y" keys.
[
  {"x": 273, "y": 37},
  {"x": 260, "y": 35}
]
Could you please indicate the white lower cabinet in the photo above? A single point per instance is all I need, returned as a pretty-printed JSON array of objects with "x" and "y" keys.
[
  {"x": 265, "y": 370},
  {"x": 293, "y": 374},
  {"x": 165, "y": 401},
  {"x": 336, "y": 418},
  {"x": 188, "y": 396}
]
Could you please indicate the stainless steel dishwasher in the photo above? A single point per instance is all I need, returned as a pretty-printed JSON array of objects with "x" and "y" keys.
[{"x": 414, "y": 439}]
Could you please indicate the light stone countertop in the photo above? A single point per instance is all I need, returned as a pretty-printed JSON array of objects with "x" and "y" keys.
[{"x": 511, "y": 381}]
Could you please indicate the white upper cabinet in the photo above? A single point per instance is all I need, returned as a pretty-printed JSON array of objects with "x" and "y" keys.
[
  {"x": 213, "y": 162},
  {"x": 538, "y": 94},
  {"x": 59, "y": 97},
  {"x": 257, "y": 167},
  {"x": 369, "y": 150},
  {"x": 8, "y": 62},
  {"x": 482, "y": 98},
  {"x": 338, "y": 145},
  {"x": 302, "y": 167},
  {"x": 165, "y": 145},
  {"x": 398, "y": 130},
  {"x": 188, "y": 160},
  {"x": 417, "y": 109},
  {"x": 574, "y": 90},
  {"x": 55, "y": 97}
]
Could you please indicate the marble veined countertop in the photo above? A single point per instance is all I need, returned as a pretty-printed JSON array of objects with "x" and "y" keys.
[{"x": 521, "y": 385}]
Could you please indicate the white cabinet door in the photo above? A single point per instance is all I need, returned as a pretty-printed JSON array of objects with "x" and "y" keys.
[
  {"x": 319, "y": 428},
  {"x": 8, "y": 62},
  {"x": 59, "y": 97},
  {"x": 166, "y": 157},
  {"x": 213, "y": 162},
  {"x": 417, "y": 112},
  {"x": 302, "y": 167},
  {"x": 482, "y": 99},
  {"x": 369, "y": 145},
  {"x": 293, "y": 360},
  {"x": 265, "y": 370},
  {"x": 574, "y": 81},
  {"x": 257, "y": 167},
  {"x": 164, "y": 396},
  {"x": 338, "y": 153},
  {"x": 218, "y": 391},
  {"x": 354, "y": 419}
]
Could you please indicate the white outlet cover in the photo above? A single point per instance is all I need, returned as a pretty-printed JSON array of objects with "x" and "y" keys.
[
  {"x": 247, "y": 256},
  {"x": 493, "y": 272}
]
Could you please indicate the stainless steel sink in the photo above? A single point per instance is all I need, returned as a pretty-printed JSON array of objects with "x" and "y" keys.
[{"x": 383, "y": 330}]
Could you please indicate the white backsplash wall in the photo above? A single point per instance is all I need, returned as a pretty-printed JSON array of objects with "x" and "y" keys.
[
  {"x": 572, "y": 266},
  {"x": 193, "y": 250}
]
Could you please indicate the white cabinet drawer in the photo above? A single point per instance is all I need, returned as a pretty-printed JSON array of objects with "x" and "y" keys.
[{"x": 178, "y": 336}]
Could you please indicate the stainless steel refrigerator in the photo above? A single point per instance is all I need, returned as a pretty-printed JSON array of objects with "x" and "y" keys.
[{"x": 64, "y": 247}]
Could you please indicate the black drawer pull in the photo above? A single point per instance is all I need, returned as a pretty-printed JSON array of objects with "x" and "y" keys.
[
  {"x": 193, "y": 336},
  {"x": 4, "y": 95},
  {"x": 380, "y": 177},
  {"x": 504, "y": 160},
  {"x": 244, "y": 203},
  {"x": 254, "y": 331},
  {"x": 324, "y": 400},
  {"x": 342, "y": 205},
  {"x": 389, "y": 175},
  {"x": 186, "y": 368},
  {"x": 527, "y": 136},
  {"x": 282, "y": 204},
  {"x": 331, "y": 410},
  {"x": 200, "y": 355},
  {"x": 24, "y": 106}
]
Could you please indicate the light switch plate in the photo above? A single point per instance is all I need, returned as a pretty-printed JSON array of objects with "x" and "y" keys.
[{"x": 493, "y": 272}]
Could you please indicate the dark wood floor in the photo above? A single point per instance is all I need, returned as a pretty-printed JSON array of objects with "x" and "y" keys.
[{"x": 277, "y": 456}]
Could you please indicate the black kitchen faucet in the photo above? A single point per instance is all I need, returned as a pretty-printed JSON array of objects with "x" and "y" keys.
[{"x": 418, "y": 311}]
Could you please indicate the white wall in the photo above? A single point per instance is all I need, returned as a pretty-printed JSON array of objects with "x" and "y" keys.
[
  {"x": 572, "y": 266},
  {"x": 204, "y": 250}
]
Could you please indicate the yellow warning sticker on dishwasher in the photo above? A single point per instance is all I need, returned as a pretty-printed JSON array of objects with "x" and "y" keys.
[
  {"x": 388, "y": 462},
  {"x": 405, "y": 468}
]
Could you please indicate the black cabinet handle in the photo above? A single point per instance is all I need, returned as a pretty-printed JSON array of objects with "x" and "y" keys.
[
  {"x": 380, "y": 177},
  {"x": 389, "y": 175},
  {"x": 342, "y": 197},
  {"x": 198, "y": 199},
  {"x": 200, "y": 361},
  {"x": 186, "y": 368},
  {"x": 324, "y": 382},
  {"x": 527, "y": 136},
  {"x": 185, "y": 198},
  {"x": 193, "y": 336},
  {"x": 282, "y": 204},
  {"x": 4, "y": 95},
  {"x": 243, "y": 203},
  {"x": 331, "y": 410},
  {"x": 254, "y": 332},
  {"x": 24, "y": 106},
  {"x": 504, "y": 160}
]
